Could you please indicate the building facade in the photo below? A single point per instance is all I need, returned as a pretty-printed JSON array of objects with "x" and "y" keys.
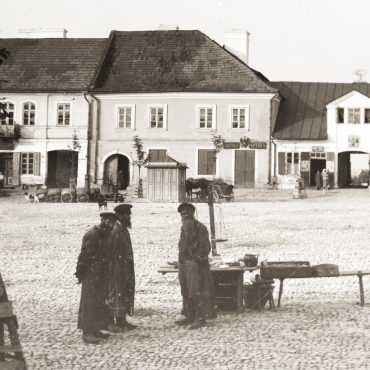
[
  {"x": 43, "y": 88},
  {"x": 175, "y": 90}
]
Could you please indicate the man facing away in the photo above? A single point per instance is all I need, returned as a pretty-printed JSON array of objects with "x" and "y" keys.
[
  {"x": 121, "y": 271},
  {"x": 194, "y": 271},
  {"x": 92, "y": 272}
]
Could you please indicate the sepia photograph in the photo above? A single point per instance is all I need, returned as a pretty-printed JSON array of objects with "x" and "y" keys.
[{"x": 184, "y": 185}]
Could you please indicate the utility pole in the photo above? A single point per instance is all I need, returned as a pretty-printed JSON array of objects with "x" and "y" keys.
[{"x": 212, "y": 220}]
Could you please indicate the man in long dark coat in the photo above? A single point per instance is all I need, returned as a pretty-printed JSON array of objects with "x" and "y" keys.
[
  {"x": 121, "y": 270},
  {"x": 194, "y": 271},
  {"x": 92, "y": 272}
]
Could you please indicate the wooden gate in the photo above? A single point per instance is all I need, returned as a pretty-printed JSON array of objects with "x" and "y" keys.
[{"x": 244, "y": 168}]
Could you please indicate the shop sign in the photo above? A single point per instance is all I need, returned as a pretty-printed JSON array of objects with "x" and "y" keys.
[
  {"x": 245, "y": 142},
  {"x": 231, "y": 145},
  {"x": 318, "y": 149},
  {"x": 353, "y": 141}
]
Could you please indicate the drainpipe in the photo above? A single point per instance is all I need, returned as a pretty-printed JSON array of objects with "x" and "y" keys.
[
  {"x": 274, "y": 151},
  {"x": 89, "y": 128},
  {"x": 271, "y": 141},
  {"x": 46, "y": 142},
  {"x": 97, "y": 137}
]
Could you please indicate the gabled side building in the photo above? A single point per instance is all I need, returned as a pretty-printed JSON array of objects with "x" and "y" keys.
[{"x": 320, "y": 125}]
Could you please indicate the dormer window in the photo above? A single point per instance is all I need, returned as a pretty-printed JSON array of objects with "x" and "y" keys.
[
  {"x": 354, "y": 115},
  {"x": 340, "y": 115}
]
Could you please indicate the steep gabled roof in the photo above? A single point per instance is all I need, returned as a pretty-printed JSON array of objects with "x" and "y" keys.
[
  {"x": 174, "y": 61},
  {"x": 302, "y": 111},
  {"x": 50, "y": 65}
]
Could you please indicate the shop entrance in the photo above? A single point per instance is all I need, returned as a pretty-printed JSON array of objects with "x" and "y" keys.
[
  {"x": 62, "y": 166},
  {"x": 6, "y": 168},
  {"x": 353, "y": 169},
  {"x": 244, "y": 168},
  {"x": 117, "y": 171},
  {"x": 316, "y": 165}
]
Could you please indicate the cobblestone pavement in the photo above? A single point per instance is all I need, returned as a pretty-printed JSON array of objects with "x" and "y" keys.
[{"x": 319, "y": 326}]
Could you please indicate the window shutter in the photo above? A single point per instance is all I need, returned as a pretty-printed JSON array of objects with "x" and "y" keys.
[
  {"x": 16, "y": 168},
  {"x": 281, "y": 163},
  {"x": 36, "y": 164},
  {"x": 202, "y": 162},
  {"x": 153, "y": 154},
  {"x": 162, "y": 155},
  {"x": 211, "y": 162}
]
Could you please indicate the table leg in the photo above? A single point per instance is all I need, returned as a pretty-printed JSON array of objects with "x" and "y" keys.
[
  {"x": 239, "y": 294},
  {"x": 362, "y": 296},
  {"x": 280, "y": 291}
]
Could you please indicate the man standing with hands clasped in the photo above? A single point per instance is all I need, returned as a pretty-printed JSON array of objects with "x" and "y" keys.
[
  {"x": 194, "y": 271},
  {"x": 92, "y": 273},
  {"x": 121, "y": 271}
]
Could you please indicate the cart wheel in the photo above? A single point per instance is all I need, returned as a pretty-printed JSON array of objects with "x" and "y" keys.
[
  {"x": 67, "y": 197},
  {"x": 82, "y": 198}
]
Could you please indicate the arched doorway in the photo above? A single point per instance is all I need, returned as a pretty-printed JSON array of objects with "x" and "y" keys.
[
  {"x": 353, "y": 169},
  {"x": 117, "y": 171},
  {"x": 62, "y": 166}
]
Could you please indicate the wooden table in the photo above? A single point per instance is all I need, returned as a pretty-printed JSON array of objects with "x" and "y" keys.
[
  {"x": 228, "y": 284},
  {"x": 359, "y": 274}
]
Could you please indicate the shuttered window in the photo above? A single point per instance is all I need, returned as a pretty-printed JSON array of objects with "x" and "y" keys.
[
  {"x": 206, "y": 162},
  {"x": 30, "y": 163}
]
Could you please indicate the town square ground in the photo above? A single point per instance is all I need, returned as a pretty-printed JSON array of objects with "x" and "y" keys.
[{"x": 320, "y": 324}]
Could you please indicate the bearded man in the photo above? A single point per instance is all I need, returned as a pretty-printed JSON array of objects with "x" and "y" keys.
[
  {"x": 194, "y": 271},
  {"x": 121, "y": 271},
  {"x": 92, "y": 272}
]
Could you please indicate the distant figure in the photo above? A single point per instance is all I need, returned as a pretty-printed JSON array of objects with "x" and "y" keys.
[
  {"x": 325, "y": 179},
  {"x": 318, "y": 180},
  {"x": 120, "y": 180},
  {"x": 1, "y": 180}
]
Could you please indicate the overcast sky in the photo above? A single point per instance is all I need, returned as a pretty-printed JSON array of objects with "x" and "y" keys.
[{"x": 293, "y": 40}]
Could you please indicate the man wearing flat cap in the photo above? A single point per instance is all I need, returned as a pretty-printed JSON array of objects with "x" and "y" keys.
[
  {"x": 194, "y": 271},
  {"x": 121, "y": 271},
  {"x": 92, "y": 273}
]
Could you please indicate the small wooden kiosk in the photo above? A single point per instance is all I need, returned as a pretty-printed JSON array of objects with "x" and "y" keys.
[{"x": 166, "y": 180}]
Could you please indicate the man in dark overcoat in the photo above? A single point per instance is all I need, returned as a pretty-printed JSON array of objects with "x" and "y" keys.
[
  {"x": 92, "y": 272},
  {"x": 121, "y": 270},
  {"x": 194, "y": 271},
  {"x": 318, "y": 180}
]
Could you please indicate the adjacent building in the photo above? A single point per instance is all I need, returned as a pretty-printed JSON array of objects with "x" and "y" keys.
[{"x": 320, "y": 125}]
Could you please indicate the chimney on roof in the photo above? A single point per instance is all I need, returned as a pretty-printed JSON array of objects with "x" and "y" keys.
[
  {"x": 237, "y": 42},
  {"x": 42, "y": 33},
  {"x": 359, "y": 75},
  {"x": 168, "y": 27}
]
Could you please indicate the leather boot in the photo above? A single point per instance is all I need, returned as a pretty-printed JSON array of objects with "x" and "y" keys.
[
  {"x": 122, "y": 323},
  {"x": 101, "y": 335},
  {"x": 114, "y": 328},
  {"x": 197, "y": 324},
  {"x": 184, "y": 322},
  {"x": 90, "y": 338}
]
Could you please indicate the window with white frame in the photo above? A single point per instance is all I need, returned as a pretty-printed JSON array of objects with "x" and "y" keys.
[
  {"x": 207, "y": 117},
  {"x": 157, "y": 117},
  {"x": 239, "y": 117},
  {"x": 64, "y": 114},
  {"x": 125, "y": 117},
  {"x": 29, "y": 112},
  {"x": 27, "y": 163},
  {"x": 354, "y": 115},
  {"x": 292, "y": 163},
  {"x": 9, "y": 109}
]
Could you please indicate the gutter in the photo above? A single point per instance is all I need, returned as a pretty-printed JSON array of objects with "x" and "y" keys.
[
  {"x": 89, "y": 136},
  {"x": 97, "y": 138},
  {"x": 271, "y": 142}
]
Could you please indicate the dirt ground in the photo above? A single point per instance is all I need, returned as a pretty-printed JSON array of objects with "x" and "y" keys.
[{"x": 320, "y": 324}]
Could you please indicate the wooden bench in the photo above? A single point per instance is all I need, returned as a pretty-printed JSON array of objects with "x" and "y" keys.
[{"x": 359, "y": 274}]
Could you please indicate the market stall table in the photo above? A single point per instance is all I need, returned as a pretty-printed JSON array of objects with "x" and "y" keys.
[{"x": 228, "y": 283}]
